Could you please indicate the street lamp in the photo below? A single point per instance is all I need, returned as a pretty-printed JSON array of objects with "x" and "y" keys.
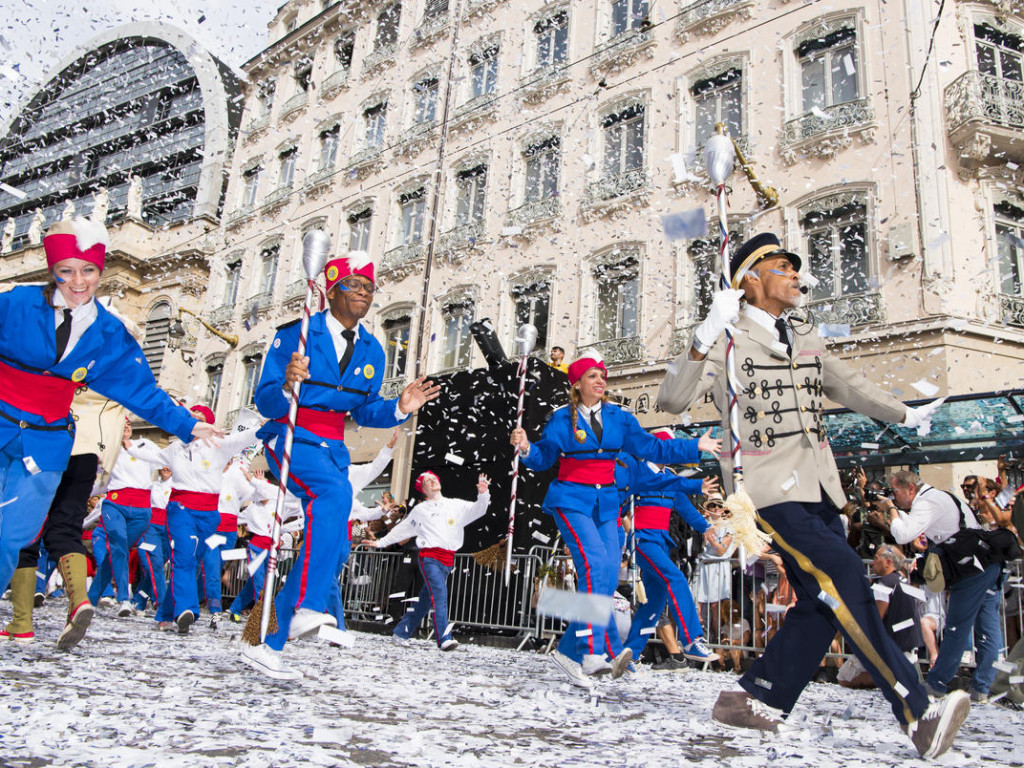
[{"x": 177, "y": 329}]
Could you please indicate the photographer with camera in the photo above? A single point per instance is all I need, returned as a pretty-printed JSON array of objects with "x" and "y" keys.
[
  {"x": 973, "y": 600},
  {"x": 874, "y": 525}
]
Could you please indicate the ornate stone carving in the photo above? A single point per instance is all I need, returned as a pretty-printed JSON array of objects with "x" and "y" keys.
[
  {"x": 379, "y": 57},
  {"x": 239, "y": 215},
  {"x": 707, "y": 17},
  {"x": 852, "y": 310},
  {"x": 825, "y": 132},
  {"x": 365, "y": 162},
  {"x": 333, "y": 83},
  {"x": 534, "y": 212},
  {"x": 1011, "y": 309},
  {"x": 259, "y": 304},
  {"x": 277, "y": 198},
  {"x": 416, "y": 138},
  {"x": 611, "y": 194},
  {"x": 615, "y": 351},
  {"x": 291, "y": 108},
  {"x": 543, "y": 83},
  {"x": 402, "y": 261},
  {"x": 476, "y": 109},
  {"x": 429, "y": 29},
  {"x": 221, "y": 317},
  {"x": 622, "y": 51},
  {"x": 392, "y": 388},
  {"x": 255, "y": 127},
  {"x": 833, "y": 202},
  {"x": 319, "y": 181},
  {"x": 823, "y": 28},
  {"x": 459, "y": 239}
]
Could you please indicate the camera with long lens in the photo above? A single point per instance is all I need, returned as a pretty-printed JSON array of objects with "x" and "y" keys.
[{"x": 874, "y": 494}]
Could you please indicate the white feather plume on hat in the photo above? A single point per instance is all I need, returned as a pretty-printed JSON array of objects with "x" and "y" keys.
[
  {"x": 357, "y": 260},
  {"x": 88, "y": 233}
]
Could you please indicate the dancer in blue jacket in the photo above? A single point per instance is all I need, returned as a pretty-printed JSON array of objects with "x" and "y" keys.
[{"x": 585, "y": 437}]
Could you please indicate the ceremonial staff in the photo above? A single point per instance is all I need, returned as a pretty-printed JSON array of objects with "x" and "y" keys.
[{"x": 526, "y": 339}]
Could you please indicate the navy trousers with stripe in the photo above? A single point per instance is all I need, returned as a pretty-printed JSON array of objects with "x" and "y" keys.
[{"x": 833, "y": 594}]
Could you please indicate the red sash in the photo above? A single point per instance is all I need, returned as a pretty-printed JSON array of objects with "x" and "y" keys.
[
  {"x": 129, "y": 497},
  {"x": 443, "y": 556},
  {"x": 159, "y": 516},
  {"x": 228, "y": 523},
  {"x": 261, "y": 542},
  {"x": 329, "y": 425},
  {"x": 197, "y": 500},
  {"x": 40, "y": 393},
  {"x": 651, "y": 518},
  {"x": 587, "y": 471}
]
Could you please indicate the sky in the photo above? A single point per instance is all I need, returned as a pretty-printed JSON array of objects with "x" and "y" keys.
[{"x": 36, "y": 35}]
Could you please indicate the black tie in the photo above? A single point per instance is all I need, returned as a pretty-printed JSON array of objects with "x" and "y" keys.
[
  {"x": 350, "y": 337},
  {"x": 63, "y": 335},
  {"x": 595, "y": 425},
  {"x": 783, "y": 331}
]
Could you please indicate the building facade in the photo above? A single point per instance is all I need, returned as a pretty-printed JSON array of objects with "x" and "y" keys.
[
  {"x": 513, "y": 161},
  {"x": 135, "y": 129}
]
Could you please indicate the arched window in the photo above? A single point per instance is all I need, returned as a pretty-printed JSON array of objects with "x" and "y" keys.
[{"x": 158, "y": 323}]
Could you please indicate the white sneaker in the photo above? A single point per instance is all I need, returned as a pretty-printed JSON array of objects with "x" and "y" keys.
[
  {"x": 450, "y": 644},
  {"x": 125, "y": 609},
  {"x": 572, "y": 669},
  {"x": 402, "y": 641},
  {"x": 621, "y": 663},
  {"x": 306, "y": 622},
  {"x": 594, "y": 664},
  {"x": 106, "y": 602},
  {"x": 267, "y": 661}
]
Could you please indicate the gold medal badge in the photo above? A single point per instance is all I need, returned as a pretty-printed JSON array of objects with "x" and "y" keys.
[
  {"x": 368, "y": 371},
  {"x": 581, "y": 436},
  {"x": 332, "y": 272},
  {"x": 79, "y": 375}
]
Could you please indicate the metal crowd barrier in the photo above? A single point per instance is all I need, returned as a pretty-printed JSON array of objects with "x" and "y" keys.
[{"x": 236, "y": 573}]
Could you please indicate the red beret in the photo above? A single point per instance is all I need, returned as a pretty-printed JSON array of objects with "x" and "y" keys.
[
  {"x": 581, "y": 366},
  {"x": 203, "y": 411},
  {"x": 356, "y": 263}
]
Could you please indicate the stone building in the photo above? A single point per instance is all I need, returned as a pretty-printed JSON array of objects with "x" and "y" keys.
[
  {"x": 514, "y": 161},
  {"x": 135, "y": 128}
]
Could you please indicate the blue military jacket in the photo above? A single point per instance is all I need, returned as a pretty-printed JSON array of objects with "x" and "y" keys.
[
  {"x": 106, "y": 359},
  {"x": 357, "y": 392}
]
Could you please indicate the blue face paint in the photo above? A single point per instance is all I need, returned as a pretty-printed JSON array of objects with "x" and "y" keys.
[
  {"x": 778, "y": 272},
  {"x": 58, "y": 278}
]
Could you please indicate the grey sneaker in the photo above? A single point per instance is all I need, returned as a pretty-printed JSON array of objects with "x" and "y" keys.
[
  {"x": 977, "y": 697},
  {"x": 572, "y": 670},
  {"x": 450, "y": 644},
  {"x": 595, "y": 664},
  {"x": 402, "y": 641},
  {"x": 738, "y": 709},
  {"x": 184, "y": 621},
  {"x": 124, "y": 610},
  {"x": 621, "y": 663},
  {"x": 934, "y": 731}
]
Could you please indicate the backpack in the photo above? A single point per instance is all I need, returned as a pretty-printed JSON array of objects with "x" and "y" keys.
[{"x": 971, "y": 549}]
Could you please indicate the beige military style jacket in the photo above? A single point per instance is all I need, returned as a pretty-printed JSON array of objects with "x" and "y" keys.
[{"x": 786, "y": 454}]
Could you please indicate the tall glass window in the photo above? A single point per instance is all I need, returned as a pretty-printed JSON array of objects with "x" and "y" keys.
[
  {"x": 716, "y": 100},
  {"x": 472, "y": 188},
  {"x": 329, "y": 147},
  {"x": 627, "y": 15},
  {"x": 359, "y": 230},
  {"x": 484, "y": 71},
  {"x": 458, "y": 340},
  {"x": 532, "y": 304},
  {"x": 1000, "y": 54},
  {"x": 268, "y": 269},
  {"x": 344, "y": 48},
  {"x": 286, "y": 160},
  {"x": 425, "y": 94},
  {"x": 214, "y": 375},
  {"x": 251, "y": 365},
  {"x": 542, "y": 169},
  {"x": 618, "y": 299},
  {"x": 375, "y": 118},
  {"x": 158, "y": 326},
  {"x": 828, "y": 69},
  {"x": 624, "y": 141},
  {"x": 250, "y": 186},
  {"x": 234, "y": 272},
  {"x": 387, "y": 26},
  {"x": 552, "y": 33},
  {"x": 412, "y": 206},
  {"x": 1010, "y": 243},
  {"x": 837, "y": 251},
  {"x": 396, "y": 346}
]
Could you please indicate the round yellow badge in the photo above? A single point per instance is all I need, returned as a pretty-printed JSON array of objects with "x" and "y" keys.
[
  {"x": 205, "y": 464},
  {"x": 368, "y": 371},
  {"x": 79, "y": 374},
  {"x": 113, "y": 496},
  {"x": 451, "y": 521},
  {"x": 581, "y": 436},
  {"x": 332, "y": 272}
]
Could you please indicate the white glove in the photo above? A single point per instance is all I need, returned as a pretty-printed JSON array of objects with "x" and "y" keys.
[
  {"x": 725, "y": 310},
  {"x": 920, "y": 418}
]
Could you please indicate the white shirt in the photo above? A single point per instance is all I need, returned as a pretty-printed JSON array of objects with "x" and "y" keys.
[
  {"x": 361, "y": 475},
  {"x": 595, "y": 409},
  {"x": 258, "y": 517},
  {"x": 82, "y": 317},
  {"x": 235, "y": 490},
  {"x": 195, "y": 466},
  {"x": 439, "y": 522},
  {"x": 130, "y": 472},
  {"x": 766, "y": 320},
  {"x": 160, "y": 493},
  {"x": 932, "y": 513}
]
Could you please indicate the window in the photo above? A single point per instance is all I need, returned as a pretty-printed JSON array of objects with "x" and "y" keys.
[
  {"x": 287, "y": 167},
  {"x": 375, "y": 118},
  {"x": 435, "y": 9},
  {"x": 329, "y": 147},
  {"x": 412, "y": 205},
  {"x": 303, "y": 75},
  {"x": 542, "y": 169},
  {"x": 624, "y": 140},
  {"x": 231, "y": 286},
  {"x": 1010, "y": 242},
  {"x": 344, "y": 48},
  {"x": 425, "y": 95},
  {"x": 718, "y": 99},
  {"x": 837, "y": 252},
  {"x": 706, "y": 275},
  {"x": 265, "y": 97},
  {"x": 250, "y": 186},
  {"x": 387, "y": 26},
  {"x": 158, "y": 326},
  {"x": 268, "y": 273},
  {"x": 532, "y": 302},
  {"x": 552, "y": 35},
  {"x": 618, "y": 296},
  {"x": 396, "y": 346},
  {"x": 359, "y": 230},
  {"x": 828, "y": 69},
  {"x": 472, "y": 186},
  {"x": 291, "y": 24},
  {"x": 214, "y": 375},
  {"x": 458, "y": 350},
  {"x": 250, "y": 378},
  {"x": 1000, "y": 54},
  {"x": 628, "y": 15},
  {"x": 484, "y": 71}
]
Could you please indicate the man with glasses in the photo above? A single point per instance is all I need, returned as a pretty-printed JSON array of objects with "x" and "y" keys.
[{"x": 341, "y": 376}]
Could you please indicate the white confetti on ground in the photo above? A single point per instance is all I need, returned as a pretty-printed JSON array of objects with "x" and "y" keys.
[{"x": 131, "y": 696}]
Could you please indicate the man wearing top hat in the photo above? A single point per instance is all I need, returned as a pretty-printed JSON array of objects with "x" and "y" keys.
[
  {"x": 341, "y": 375},
  {"x": 784, "y": 374}
]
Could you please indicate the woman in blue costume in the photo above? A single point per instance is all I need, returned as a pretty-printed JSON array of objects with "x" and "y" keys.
[
  {"x": 55, "y": 339},
  {"x": 585, "y": 438}
]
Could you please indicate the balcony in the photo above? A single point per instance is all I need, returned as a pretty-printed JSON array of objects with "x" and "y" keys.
[
  {"x": 985, "y": 119},
  {"x": 416, "y": 137},
  {"x": 460, "y": 238},
  {"x": 622, "y": 50},
  {"x": 391, "y": 388},
  {"x": 402, "y": 261},
  {"x": 239, "y": 215},
  {"x": 429, "y": 29},
  {"x": 385, "y": 54},
  {"x": 543, "y": 82},
  {"x": 534, "y": 212},
  {"x": 707, "y": 17},
  {"x": 681, "y": 339},
  {"x": 258, "y": 304},
  {"x": 629, "y": 183},
  {"x": 478, "y": 108},
  {"x": 320, "y": 180},
  {"x": 277, "y": 198},
  {"x": 222, "y": 316},
  {"x": 332, "y": 83},
  {"x": 291, "y": 107},
  {"x": 848, "y": 310},
  {"x": 295, "y": 290},
  {"x": 824, "y": 132},
  {"x": 364, "y": 161},
  {"x": 256, "y": 126},
  {"x": 614, "y": 351},
  {"x": 1011, "y": 309}
]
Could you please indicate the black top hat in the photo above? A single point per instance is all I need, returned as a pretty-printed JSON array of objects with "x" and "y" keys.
[{"x": 753, "y": 250}]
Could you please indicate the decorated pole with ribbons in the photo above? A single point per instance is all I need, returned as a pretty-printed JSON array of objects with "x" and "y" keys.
[
  {"x": 526, "y": 340},
  {"x": 719, "y": 159},
  {"x": 316, "y": 246}
]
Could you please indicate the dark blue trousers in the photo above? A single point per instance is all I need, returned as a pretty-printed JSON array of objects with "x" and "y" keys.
[{"x": 833, "y": 594}]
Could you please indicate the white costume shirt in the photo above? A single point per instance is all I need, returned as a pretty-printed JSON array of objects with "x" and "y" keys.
[
  {"x": 160, "y": 494},
  {"x": 131, "y": 472},
  {"x": 932, "y": 513},
  {"x": 81, "y": 318},
  {"x": 439, "y": 522},
  {"x": 259, "y": 515},
  {"x": 197, "y": 467},
  {"x": 235, "y": 490}
]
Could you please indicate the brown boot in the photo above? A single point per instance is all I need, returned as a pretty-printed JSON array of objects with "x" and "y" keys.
[
  {"x": 73, "y": 570},
  {"x": 23, "y": 588}
]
